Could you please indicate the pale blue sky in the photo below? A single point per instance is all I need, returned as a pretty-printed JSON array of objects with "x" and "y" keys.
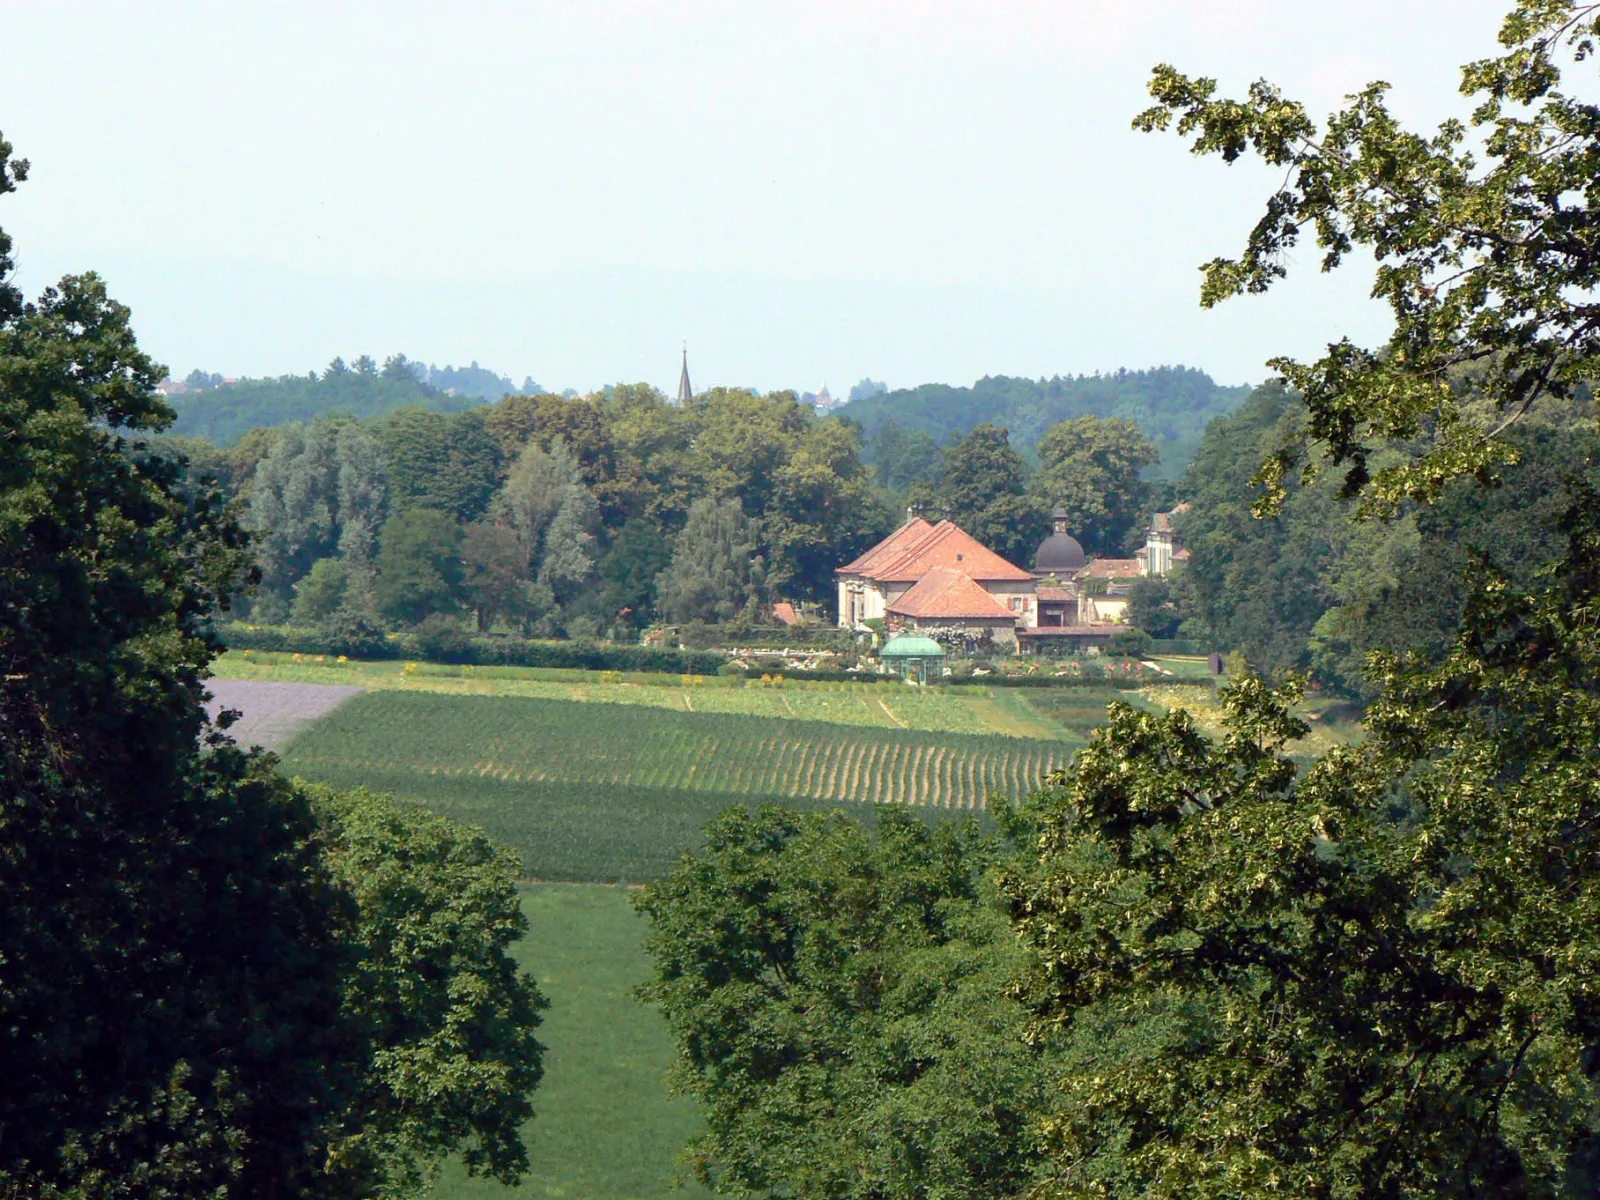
[{"x": 806, "y": 192}]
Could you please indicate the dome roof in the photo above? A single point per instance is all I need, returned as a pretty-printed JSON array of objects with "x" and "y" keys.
[
  {"x": 910, "y": 645},
  {"x": 1059, "y": 553}
]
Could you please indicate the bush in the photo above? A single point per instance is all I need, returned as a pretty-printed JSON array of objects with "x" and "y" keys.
[
  {"x": 353, "y": 636},
  {"x": 789, "y": 637},
  {"x": 318, "y": 596},
  {"x": 1134, "y": 643},
  {"x": 439, "y": 639},
  {"x": 483, "y": 651}
]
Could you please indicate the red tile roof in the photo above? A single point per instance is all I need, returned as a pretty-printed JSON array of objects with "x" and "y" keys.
[
  {"x": 1054, "y": 595},
  {"x": 785, "y": 613},
  {"x": 916, "y": 548},
  {"x": 1112, "y": 568},
  {"x": 912, "y": 532},
  {"x": 943, "y": 593}
]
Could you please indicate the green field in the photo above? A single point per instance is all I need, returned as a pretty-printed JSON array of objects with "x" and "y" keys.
[
  {"x": 886, "y": 704},
  {"x": 613, "y": 792},
  {"x": 604, "y": 1127},
  {"x": 514, "y": 740}
]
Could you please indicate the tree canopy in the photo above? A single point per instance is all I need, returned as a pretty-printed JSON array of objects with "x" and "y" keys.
[
  {"x": 193, "y": 954},
  {"x": 1091, "y": 468}
]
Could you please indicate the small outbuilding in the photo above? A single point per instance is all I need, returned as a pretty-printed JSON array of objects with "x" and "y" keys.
[{"x": 913, "y": 656}]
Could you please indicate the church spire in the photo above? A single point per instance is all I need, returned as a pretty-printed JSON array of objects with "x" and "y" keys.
[{"x": 685, "y": 392}]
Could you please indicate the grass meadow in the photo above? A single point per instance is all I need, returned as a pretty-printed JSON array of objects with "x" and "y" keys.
[{"x": 605, "y": 1127}]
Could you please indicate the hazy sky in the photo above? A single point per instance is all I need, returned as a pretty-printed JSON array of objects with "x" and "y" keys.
[{"x": 805, "y": 192}]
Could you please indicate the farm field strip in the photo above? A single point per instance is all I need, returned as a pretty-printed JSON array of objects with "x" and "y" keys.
[
  {"x": 875, "y": 705},
  {"x": 553, "y": 741}
]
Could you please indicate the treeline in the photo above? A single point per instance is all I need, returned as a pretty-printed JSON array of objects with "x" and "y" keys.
[
  {"x": 222, "y": 414},
  {"x": 550, "y": 515},
  {"x": 594, "y": 516},
  {"x": 1311, "y": 591},
  {"x": 1171, "y": 405}
]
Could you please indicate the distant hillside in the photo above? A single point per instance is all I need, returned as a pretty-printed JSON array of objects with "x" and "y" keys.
[
  {"x": 1171, "y": 404},
  {"x": 221, "y": 414}
]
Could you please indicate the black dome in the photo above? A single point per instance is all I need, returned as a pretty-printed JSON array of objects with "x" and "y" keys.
[{"x": 1059, "y": 553}]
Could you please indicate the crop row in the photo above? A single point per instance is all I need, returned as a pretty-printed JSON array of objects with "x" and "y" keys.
[{"x": 535, "y": 741}]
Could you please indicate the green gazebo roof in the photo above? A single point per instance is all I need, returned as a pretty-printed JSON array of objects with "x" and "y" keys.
[{"x": 909, "y": 645}]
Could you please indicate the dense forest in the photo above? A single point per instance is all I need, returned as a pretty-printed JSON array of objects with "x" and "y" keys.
[
  {"x": 1310, "y": 590},
  {"x": 222, "y": 413},
  {"x": 1170, "y": 404},
  {"x": 598, "y": 515}
]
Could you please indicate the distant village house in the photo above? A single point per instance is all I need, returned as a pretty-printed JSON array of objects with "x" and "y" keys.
[{"x": 941, "y": 581}]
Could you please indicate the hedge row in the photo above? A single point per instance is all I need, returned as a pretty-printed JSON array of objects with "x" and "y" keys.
[
  {"x": 479, "y": 651},
  {"x": 800, "y": 637},
  {"x": 1179, "y": 646},
  {"x": 1124, "y": 682},
  {"x": 1127, "y": 682}
]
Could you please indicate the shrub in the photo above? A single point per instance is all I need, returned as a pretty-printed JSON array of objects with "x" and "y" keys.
[
  {"x": 352, "y": 635},
  {"x": 1134, "y": 643},
  {"x": 439, "y": 639},
  {"x": 484, "y": 651}
]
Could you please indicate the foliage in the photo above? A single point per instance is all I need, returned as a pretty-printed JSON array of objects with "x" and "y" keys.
[
  {"x": 983, "y": 490},
  {"x": 533, "y": 493},
  {"x": 1411, "y": 593},
  {"x": 822, "y": 512},
  {"x": 169, "y": 962},
  {"x": 624, "y": 590},
  {"x": 904, "y": 458},
  {"x": 1091, "y": 467},
  {"x": 1373, "y": 977},
  {"x": 716, "y": 568},
  {"x": 1171, "y": 405},
  {"x": 1134, "y": 643},
  {"x": 1259, "y": 584},
  {"x": 319, "y": 595},
  {"x": 1481, "y": 235},
  {"x": 570, "y": 547},
  {"x": 1150, "y": 607},
  {"x": 439, "y": 638},
  {"x": 1382, "y": 964},
  {"x": 838, "y": 1000},
  {"x": 224, "y": 414},
  {"x": 349, "y": 634},
  {"x": 418, "y": 570},
  {"x": 448, "y": 1016},
  {"x": 494, "y": 566},
  {"x": 325, "y": 639},
  {"x": 448, "y": 463}
]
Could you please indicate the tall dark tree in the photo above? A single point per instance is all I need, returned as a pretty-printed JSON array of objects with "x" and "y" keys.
[
  {"x": 984, "y": 490},
  {"x": 419, "y": 566},
  {"x": 624, "y": 589},
  {"x": 1092, "y": 467},
  {"x": 716, "y": 569},
  {"x": 448, "y": 463},
  {"x": 169, "y": 952}
]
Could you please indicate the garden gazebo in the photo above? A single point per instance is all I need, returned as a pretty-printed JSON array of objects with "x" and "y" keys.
[{"x": 911, "y": 655}]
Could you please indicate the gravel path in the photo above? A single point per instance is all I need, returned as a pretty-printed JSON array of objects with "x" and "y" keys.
[{"x": 274, "y": 712}]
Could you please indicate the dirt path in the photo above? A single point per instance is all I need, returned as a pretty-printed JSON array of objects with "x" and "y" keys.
[{"x": 273, "y": 712}]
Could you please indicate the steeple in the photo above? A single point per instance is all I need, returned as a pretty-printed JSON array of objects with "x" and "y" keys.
[{"x": 685, "y": 392}]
